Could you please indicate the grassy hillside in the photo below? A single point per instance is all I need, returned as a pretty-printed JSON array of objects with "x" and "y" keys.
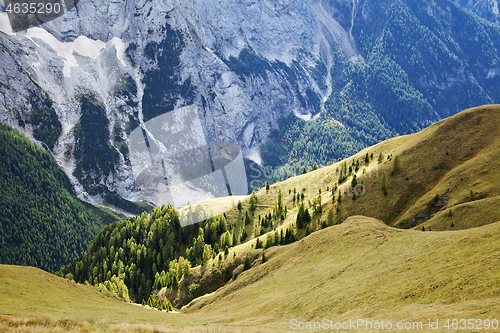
[
  {"x": 42, "y": 223},
  {"x": 445, "y": 177},
  {"x": 359, "y": 269},
  {"x": 36, "y": 301},
  {"x": 365, "y": 269},
  {"x": 442, "y": 178}
]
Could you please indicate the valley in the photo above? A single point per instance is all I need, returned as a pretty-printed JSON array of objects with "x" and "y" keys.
[
  {"x": 359, "y": 269},
  {"x": 251, "y": 166},
  {"x": 392, "y": 264}
]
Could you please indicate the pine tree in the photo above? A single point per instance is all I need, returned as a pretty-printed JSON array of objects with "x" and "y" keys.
[
  {"x": 244, "y": 235},
  {"x": 247, "y": 265},
  {"x": 354, "y": 181},
  {"x": 253, "y": 202},
  {"x": 247, "y": 218},
  {"x": 382, "y": 185},
  {"x": 307, "y": 217},
  {"x": 395, "y": 166},
  {"x": 367, "y": 159},
  {"x": 380, "y": 158},
  {"x": 207, "y": 252},
  {"x": 330, "y": 217},
  {"x": 258, "y": 243}
]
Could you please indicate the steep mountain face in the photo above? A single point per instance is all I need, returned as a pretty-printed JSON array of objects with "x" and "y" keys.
[
  {"x": 487, "y": 9},
  {"x": 106, "y": 69}
]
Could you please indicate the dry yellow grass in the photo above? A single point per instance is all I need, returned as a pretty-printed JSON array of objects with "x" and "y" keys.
[
  {"x": 359, "y": 269},
  {"x": 365, "y": 269},
  {"x": 450, "y": 158}
]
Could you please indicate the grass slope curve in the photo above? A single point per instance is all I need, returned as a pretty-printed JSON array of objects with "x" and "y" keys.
[
  {"x": 361, "y": 268},
  {"x": 447, "y": 177},
  {"x": 365, "y": 269}
]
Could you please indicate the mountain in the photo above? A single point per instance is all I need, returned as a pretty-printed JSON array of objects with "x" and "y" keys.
[
  {"x": 443, "y": 178},
  {"x": 487, "y": 9},
  {"x": 42, "y": 223},
  {"x": 360, "y": 269},
  {"x": 248, "y": 73}
]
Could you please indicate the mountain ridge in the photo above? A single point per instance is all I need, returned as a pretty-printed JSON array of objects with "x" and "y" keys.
[
  {"x": 360, "y": 66},
  {"x": 414, "y": 182},
  {"x": 327, "y": 275},
  {"x": 463, "y": 162}
]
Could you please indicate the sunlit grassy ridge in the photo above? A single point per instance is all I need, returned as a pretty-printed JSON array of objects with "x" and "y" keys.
[
  {"x": 358, "y": 269},
  {"x": 452, "y": 159},
  {"x": 361, "y": 267}
]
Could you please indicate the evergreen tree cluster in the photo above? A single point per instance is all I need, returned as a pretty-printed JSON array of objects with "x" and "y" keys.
[
  {"x": 303, "y": 217},
  {"x": 247, "y": 64},
  {"x": 42, "y": 224},
  {"x": 160, "y": 304},
  {"x": 116, "y": 286},
  {"x": 47, "y": 127},
  {"x": 177, "y": 269},
  {"x": 148, "y": 251},
  {"x": 163, "y": 86},
  {"x": 281, "y": 237},
  {"x": 95, "y": 156}
]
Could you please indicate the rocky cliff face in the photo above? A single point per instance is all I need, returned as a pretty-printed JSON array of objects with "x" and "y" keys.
[
  {"x": 118, "y": 54},
  {"x": 107, "y": 68},
  {"x": 487, "y": 9}
]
